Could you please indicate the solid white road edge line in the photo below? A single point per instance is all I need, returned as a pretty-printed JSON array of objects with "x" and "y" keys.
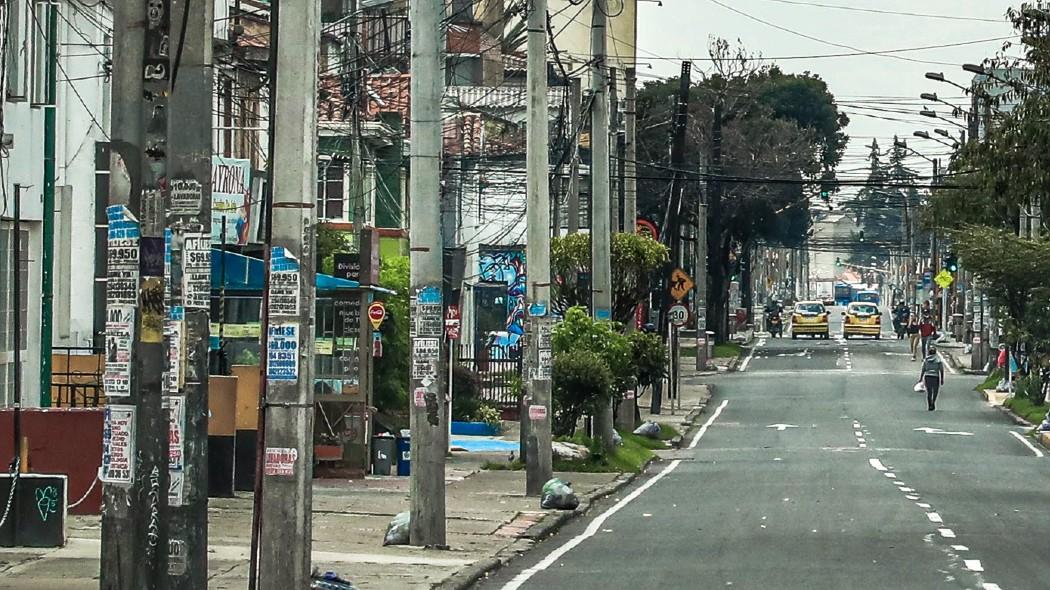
[
  {"x": 750, "y": 355},
  {"x": 951, "y": 369},
  {"x": 1027, "y": 443},
  {"x": 703, "y": 429},
  {"x": 597, "y": 523}
]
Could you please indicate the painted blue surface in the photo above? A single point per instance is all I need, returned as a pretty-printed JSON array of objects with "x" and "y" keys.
[
  {"x": 474, "y": 429},
  {"x": 244, "y": 273},
  {"x": 484, "y": 445}
]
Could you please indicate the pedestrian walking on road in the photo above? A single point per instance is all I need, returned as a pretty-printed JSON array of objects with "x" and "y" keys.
[
  {"x": 913, "y": 335},
  {"x": 932, "y": 377},
  {"x": 926, "y": 332}
]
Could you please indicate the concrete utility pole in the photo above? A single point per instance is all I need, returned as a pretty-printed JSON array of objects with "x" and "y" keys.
[
  {"x": 630, "y": 180},
  {"x": 134, "y": 552},
  {"x": 188, "y": 207},
  {"x": 538, "y": 468},
  {"x": 285, "y": 534},
  {"x": 601, "y": 239},
  {"x": 616, "y": 180},
  {"x": 572, "y": 199},
  {"x": 429, "y": 412},
  {"x": 351, "y": 93},
  {"x": 700, "y": 302}
]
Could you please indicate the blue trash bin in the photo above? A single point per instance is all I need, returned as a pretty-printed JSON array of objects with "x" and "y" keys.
[{"x": 404, "y": 453}]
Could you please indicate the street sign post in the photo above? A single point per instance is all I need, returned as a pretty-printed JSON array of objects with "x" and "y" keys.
[
  {"x": 452, "y": 322},
  {"x": 678, "y": 315},
  {"x": 681, "y": 284}
]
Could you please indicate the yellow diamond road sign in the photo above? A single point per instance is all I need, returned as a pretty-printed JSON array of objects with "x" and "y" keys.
[
  {"x": 944, "y": 279},
  {"x": 681, "y": 284}
]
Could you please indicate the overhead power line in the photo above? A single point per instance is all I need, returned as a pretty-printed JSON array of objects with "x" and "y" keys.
[{"x": 889, "y": 12}]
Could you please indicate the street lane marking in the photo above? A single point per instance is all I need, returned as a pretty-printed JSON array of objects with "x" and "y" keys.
[
  {"x": 929, "y": 430},
  {"x": 947, "y": 533},
  {"x": 1028, "y": 444},
  {"x": 877, "y": 464},
  {"x": 990, "y": 587},
  {"x": 743, "y": 366},
  {"x": 934, "y": 517},
  {"x": 923, "y": 505},
  {"x": 703, "y": 429},
  {"x": 781, "y": 427},
  {"x": 890, "y": 475},
  {"x": 862, "y": 445},
  {"x": 960, "y": 548},
  {"x": 944, "y": 361},
  {"x": 912, "y": 497},
  {"x": 906, "y": 490},
  {"x": 974, "y": 565},
  {"x": 597, "y": 523}
]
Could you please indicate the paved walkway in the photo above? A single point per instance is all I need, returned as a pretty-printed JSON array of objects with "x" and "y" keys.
[{"x": 488, "y": 515}]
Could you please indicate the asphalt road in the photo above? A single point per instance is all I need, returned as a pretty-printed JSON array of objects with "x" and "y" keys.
[{"x": 822, "y": 470}]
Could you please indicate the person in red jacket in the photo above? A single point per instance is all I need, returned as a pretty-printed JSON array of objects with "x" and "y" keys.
[{"x": 926, "y": 332}]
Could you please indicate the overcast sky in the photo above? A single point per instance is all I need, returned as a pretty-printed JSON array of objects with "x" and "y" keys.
[{"x": 683, "y": 28}]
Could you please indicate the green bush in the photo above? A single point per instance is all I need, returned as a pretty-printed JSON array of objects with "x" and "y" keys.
[
  {"x": 1029, "y": 387},
  {"x": 582, "y": 385},
  {"x": 649, "y": 356},
  {"x": 466, "y": 394},
  {"x": 578, "y": 331},
  {"x": 390, "y": 387},
  {"x": 489, "y": 415}
]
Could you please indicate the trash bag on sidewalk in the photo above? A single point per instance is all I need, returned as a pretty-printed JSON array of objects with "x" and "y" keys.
[
  {"x": 558, "y": 495},
  {"x": 397, "y": 530},
  {"x": 649, "y": 429},
  {"x": 617, "y": 439},
  {"x": 329, "y": 581}
]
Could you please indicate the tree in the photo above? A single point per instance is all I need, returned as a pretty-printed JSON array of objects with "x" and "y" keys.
[
  {"x": 879, "y": 207},
  {"x": 636, "y": 260},
  {"x": 769, "y": 125},
  {"x": 390, "y": 386},
  {"x": 1018, "y": 274}
]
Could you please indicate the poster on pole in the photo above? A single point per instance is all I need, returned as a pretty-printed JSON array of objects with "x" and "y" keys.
[
  {"x": 284, "y": 283},
  {"x": 120, "y": 330},
  {"x": 174, "y": 330},
  {"x": 282, "y": 354},
  {"x": 196, "y": 271},
  {"x": 122, "y": 256},
  {"x": 231, "y": 187},
  {"x": 118, "y": 445}
]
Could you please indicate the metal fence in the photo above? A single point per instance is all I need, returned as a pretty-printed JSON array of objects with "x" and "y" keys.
[
  {"x": 500, "y": 380},
  {"x": 76, "y": 377}
]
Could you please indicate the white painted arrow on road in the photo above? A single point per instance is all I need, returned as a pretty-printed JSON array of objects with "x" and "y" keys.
[
  {"x": 781, "y": 427},
  {"x": 929, "y": 430}
]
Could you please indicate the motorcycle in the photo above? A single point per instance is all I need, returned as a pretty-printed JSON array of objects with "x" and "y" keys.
[{"x": 776, "y": 326}]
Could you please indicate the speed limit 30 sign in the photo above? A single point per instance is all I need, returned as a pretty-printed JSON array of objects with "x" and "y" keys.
[{"x": 678, "y": 315}]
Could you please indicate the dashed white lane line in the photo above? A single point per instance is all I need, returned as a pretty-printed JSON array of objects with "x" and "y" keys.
[
  {"x": 923, "y": 505},
  {"x": 596, "y": 524},
  {"x": 877, "y": 464},
  {"x": 1027, "y": 443},
  {"x": 947, "y": 533},
  {"x": 747, "y": 361},
  {"x": 858, "y": 433},
  {"x": 960, "y": 548},
  {"x": 863, "y": 445},
  {"x": 890, "y": 475},
  {"x": 974, "y": 565},
  {"x": 990, "y": 587},
  {"x": 912, "y": 497},
  {"x": 907, "y": 490},
  {"x": 934, "y": 517}
]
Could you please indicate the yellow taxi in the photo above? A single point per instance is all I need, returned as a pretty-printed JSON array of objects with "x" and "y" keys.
[
  {"x": 862, "y": 319},
  {"x": 810, "y": 317}
]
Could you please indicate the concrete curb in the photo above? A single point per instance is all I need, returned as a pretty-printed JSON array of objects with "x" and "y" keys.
[
  {"x": 545, "y": 528},
  {"x": 1016, "y": 419},
  {"x": 1044, "y": 439}
]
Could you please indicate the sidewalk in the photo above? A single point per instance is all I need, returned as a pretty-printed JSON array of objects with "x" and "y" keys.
[
  {"x": 956, "y": 355},
  {"x": 489, "y": 518},
  {"x": 682, "y": 414}
]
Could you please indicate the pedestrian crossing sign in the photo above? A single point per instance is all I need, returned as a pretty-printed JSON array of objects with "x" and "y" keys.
[{"x": 944, "y": 279}]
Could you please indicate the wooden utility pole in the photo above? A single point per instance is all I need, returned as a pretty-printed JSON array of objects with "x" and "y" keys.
[
  {"x": 134, "y": 549},
  {"x": 538, "y": 356},
  {"x": 572, "y": 199},
  {"x": 601, "y": 238},
  {"x": 188, "y": 207},
  {"x": 429, "y": 412},
  {"x": 285, "y": 534}
]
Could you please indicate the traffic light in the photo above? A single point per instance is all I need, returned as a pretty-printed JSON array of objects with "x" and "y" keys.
[
  {"x": 951, "y": 262},
  {"x": 862, "y": 235},
  {"x": 825, "y": 196}
]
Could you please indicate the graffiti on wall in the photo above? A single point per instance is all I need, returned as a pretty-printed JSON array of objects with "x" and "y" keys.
[{"x": 506, "y": 266}]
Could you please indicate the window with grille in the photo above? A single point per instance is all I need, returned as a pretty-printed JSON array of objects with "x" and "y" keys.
[
  {"x": 331, "y": 198},
  {"x": 7, "y": 310}
]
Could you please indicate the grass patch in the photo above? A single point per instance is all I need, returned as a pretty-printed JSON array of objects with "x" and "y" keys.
[
  {"x": 728, "y": 350},
  {"x": 628, "y": 458},
  {"x": 1024, "y": 408},
  {"x": 991, "y": 381},
  {"x": 515, "y": 465}
]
